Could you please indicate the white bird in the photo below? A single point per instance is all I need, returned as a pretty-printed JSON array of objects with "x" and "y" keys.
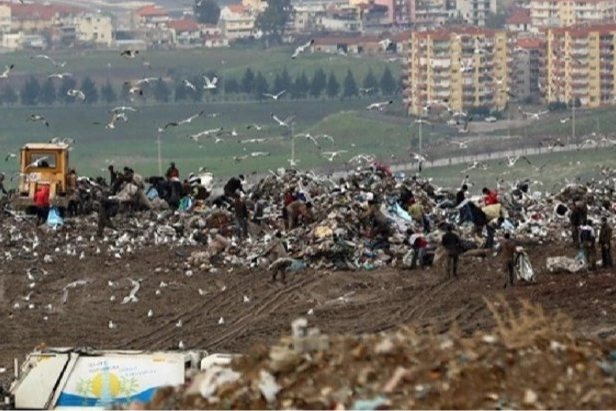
[
  {"x": 181, "y": 345},
  {"x": 210, "y": 84},
  {"x": 260, "y": 154},
  {"x": 310, "y": 312},
  {"x": 275, "y": 96},
  {"x": 301, "y": 49},
  {"x": 564, "y": 120},
  {"x": 534, "y": 116},
  {"x": 418, "y": 157},
  {"x": 460, "y": 144},
  {"x": 122, "y": 108},
  {"x": 246, "y": 299},
  {"x": 7, "y": 70},
  {"x": 60, "y": 76},
  {"x": 114, "y": 118},
  {"x": 190, "y": 85},
  {"x": 179, "y": 323},
  {"x": 330, "y": 155},
  {"x": 255, "y": 126},
  {"x": 511, "y": 161},
  {"x": 191, "y": 118},
  {"x": 132, "y": 297},
  {"x": 129, "y": 54},
  {"x": 37, "y": 117},
  {"x": 366, "y": 90},
  {"x": 205, "y": 133},
  {"x": 9, "y": 156},
  {"x": 112, "y": 325},
  {"x": 76, "y": 93},
  {"x": 379, "y": 106},
  {"x": 150, "y": 313},
  {"x": 287, "y": 121},
  {"x": 221, "y": 321}
]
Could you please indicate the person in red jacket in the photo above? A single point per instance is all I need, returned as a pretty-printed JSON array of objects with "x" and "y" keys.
[
  {"x": 41, "y": 201},
  {"x": 489, "y": 197}
]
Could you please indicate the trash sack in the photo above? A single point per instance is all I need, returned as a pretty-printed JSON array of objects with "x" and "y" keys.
[
  {"x": 152, "y": 193},
  {"x": 561, "y": 210},
  {"x": 564, "y": 264},
  {"x": 401, "y": 212},
  {"x": 53, "y": 218},
  {"x": 523, "y": 268},
  {"x": 185, "y": 204},
  {"x": 492, "y": 211}
]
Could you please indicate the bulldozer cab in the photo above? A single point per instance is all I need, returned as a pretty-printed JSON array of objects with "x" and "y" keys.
[{"x": 43, "y": 164}]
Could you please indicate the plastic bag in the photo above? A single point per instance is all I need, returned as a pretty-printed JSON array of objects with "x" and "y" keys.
[{"x": 53, "y": 218}]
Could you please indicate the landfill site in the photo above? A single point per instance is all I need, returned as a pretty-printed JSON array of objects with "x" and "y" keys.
[{"x": 346, "y": 304}]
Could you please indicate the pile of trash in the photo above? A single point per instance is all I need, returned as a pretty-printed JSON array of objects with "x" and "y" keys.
[
  {"x": 340, "y": 235},
  {"x": 528, "y": 361}
]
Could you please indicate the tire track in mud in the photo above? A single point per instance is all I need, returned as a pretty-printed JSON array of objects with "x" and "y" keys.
[
  {"x": 274, "y": 301},
  {"x": 404, "y": 315},
  {"x": 167, "y": 331}
]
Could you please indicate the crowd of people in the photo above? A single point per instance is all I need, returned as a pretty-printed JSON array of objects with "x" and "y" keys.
[{"x": 487, "y": 216}]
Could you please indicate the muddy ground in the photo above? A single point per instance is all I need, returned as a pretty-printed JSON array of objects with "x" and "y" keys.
[{"x": 343, "y": 302}]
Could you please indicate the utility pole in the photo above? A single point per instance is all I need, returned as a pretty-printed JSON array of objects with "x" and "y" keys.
[
  {"x": 160, "y": 159},
  {"x": 293, "y": 143}
]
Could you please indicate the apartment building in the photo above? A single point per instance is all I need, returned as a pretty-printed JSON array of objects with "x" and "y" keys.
[
  {"x": 94, "y": 28},
  {"x": 432, "y": 13},
  {"x": 526, "y": 68},
  {"x": 475, "y": 12},
  {"x": 236, "y": 22},
  {"x": 565, "y": 13},
  {"x": 462, "y": 67},
  {"x": 579, "y": 64}
]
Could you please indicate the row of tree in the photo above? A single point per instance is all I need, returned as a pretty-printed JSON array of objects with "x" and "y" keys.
[{"x": 253, "y": 84}]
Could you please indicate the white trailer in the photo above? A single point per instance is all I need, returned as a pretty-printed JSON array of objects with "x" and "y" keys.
[{"x": 66, "y": 378}]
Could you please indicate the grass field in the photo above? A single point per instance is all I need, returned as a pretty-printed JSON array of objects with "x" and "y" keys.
[
  {"x": 231, "y": 63},
  {"x": 583, "y": 164},
  {"x": 134, "y": 142}
]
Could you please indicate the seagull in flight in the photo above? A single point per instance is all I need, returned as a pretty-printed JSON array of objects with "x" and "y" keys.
[
  {"x": 9, "y": 156},
  {"x": 46, "y": 57},
  {"x": 37, "y": 117},
  {"x": 366, "y": 90},
  {"x": 330, "y": 155},
  {"x": 7, "y": 70},
  {"x": 511, "y": 161},
  {"x": 379, "y": 106},
  {"x": 255, "y": 126},
  {"x": 534, "y": 116},
  {"x": 260, "y": 154},
  {"x": 60, "y": 76},
  {"x": 460, "y": 144},
  {"x": 286, "y": 123},
  {"x": 551, "y": 143},
  {"x": 190, "y": 85},
  {"x": 474, "y": 165},
  {"x": 129, "y": 54},
  {"x": 299, "y": 50},
  {"x": 132, "y": 297},
  {"x": 76, "y": 93},
  {"x": 122, "y": 108},
  {"x": 114, "y": 118},
  {"x": 204, "y": 133},
  {"x": 275, "y": 96},
  {"x": 191, "y": 118},
  {"x": 210, "y": 84}
]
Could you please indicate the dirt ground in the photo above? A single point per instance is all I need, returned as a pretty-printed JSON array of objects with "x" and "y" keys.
[{"x": 343, "y": 302}]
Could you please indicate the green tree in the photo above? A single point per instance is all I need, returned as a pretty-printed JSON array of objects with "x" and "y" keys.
[
  {"x": 161, "y": 91},
  {"x": 9, "y": 96},
  {"x": 261, "y": 86},
  {"x": 282, "y": 81},
  {"x": 207, "y": 11},
  {"x": 196, "y": 94},
  {"x": 388, "y": 83},
  {"x": 301, "y": 86},
  {"x": 272, "y": 22},
  {"x": 67, "y": 84},
  {"x": 370, "y": 82},
  {"x": 88, "y": 87},
  {"x": 333, "y": 86},
  {"x": 30, "y": 92},
  {"x": 318, "y": 83},
  {"x": 248, "y": 81},
  {"x": 47, "y": 94},
  {"x": 349, "y": 86},
  {"x": 108, "y": 94},
  {"x": 181, "y": 92},
  {"x": 232, "y": 86}
]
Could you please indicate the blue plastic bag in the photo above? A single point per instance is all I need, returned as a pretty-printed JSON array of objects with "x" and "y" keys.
[{"x": 53, "y": 218}]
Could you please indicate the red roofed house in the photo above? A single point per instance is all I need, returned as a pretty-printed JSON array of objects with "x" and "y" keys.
[
  {"x": 31, "y": 17},
  {"x": 519, "y": 20},
  {"x": 185, "y": 32},
  {"x": 151, "y": 15}
]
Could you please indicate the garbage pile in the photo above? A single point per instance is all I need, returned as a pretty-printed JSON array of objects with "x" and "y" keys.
[
  {"x": 528, "y": 361},
  {"x": 369, "y": 219}
]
